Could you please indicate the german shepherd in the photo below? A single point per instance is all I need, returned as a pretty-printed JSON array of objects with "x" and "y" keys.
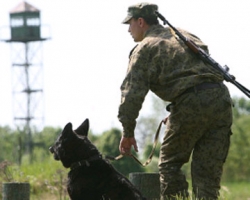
[{"x": 91, "y": 177}]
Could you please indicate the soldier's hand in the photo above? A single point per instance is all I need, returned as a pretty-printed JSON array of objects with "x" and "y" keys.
[{"x": 126, "y": 144}]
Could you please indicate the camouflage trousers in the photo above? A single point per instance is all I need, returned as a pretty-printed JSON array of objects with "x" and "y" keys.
[{"x": 199, "y": 126}]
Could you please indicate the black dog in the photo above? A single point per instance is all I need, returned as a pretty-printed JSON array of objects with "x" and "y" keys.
[{"x": 91, "y": 177}]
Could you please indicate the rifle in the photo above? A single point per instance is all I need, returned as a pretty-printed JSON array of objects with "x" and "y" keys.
[{"x": 206, "y": 58}]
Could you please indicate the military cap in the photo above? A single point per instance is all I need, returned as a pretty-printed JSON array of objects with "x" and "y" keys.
[{"x": 143, "y": 10}]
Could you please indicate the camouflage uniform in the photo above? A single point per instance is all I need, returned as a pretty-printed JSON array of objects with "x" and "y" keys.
[{"x": 200, "y": 120}]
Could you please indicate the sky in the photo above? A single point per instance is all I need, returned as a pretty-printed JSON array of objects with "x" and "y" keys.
[{"x": 85, "y": 60}]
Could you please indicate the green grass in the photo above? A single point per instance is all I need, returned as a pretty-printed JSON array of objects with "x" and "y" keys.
[
  {"x": 235, "y": 190},
  {"x": 47, "y": 178},
  {"x": 48, "y": 181}
]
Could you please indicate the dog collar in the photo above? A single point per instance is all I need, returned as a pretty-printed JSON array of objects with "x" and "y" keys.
[{"x": 85, "y": 162}]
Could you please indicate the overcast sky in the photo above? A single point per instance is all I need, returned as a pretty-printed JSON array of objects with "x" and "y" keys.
[{"x": 86, "y": 59}]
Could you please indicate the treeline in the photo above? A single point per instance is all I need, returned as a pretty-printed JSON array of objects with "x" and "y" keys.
[{"x": 12, "y": 145}]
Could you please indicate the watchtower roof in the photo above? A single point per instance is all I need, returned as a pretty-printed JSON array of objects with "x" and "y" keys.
[{"x": 24, "y": 7}]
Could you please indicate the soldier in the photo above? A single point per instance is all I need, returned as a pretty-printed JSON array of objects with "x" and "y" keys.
[{"x": 201, "y": 107}]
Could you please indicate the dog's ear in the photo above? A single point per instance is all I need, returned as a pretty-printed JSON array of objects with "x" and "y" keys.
[
  {"x": 83, "y": 128},
  {"x": 67, "y": 129}
]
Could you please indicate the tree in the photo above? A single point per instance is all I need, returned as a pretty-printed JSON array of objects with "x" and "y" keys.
[
  {"x": 42, "y": 141},
  {"x": 9, "y": 144},
  {"x": 241, "y": 107},
  {"x": 153, "y": 166},
  {"x": 152, "y": 113},
  {"x": 236, "y": 166},
  {"x": 148, "y": 123}
]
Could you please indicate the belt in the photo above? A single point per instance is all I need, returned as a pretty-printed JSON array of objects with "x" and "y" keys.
[
  {"x": 202, "y": 86},
  {"x": 196, "y": 88}
]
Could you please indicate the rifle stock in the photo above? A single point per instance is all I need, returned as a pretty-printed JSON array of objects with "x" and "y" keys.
[
  {"x": 206, "y": 57},
  {"x": 192, "y": 46}
]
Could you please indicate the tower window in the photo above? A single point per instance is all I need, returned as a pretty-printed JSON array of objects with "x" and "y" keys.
[
  {"x": 17, "y": 21},
  {"x": 33, "y": 21}
]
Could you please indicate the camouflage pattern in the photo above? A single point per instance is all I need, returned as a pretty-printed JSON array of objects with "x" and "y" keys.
[
  {"x": 163, "y": 64},
  {"x": 141, "y": 10},
  {"x": 200, "y": 122}
]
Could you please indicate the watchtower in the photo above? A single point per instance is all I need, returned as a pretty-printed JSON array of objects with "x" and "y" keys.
[
  {"x": 25, "y": 23},
  {"x": 27, "y": 70}
]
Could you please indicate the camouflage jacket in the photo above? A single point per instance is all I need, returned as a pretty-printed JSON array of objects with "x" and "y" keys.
[{"x": 163, "y": 64}]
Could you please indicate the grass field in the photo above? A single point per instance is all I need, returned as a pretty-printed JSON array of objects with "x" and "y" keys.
[
  {"x": 229, "y": 191},
  {"x": 48, "y": 182},
  {"x": 235, "y": 191}
]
